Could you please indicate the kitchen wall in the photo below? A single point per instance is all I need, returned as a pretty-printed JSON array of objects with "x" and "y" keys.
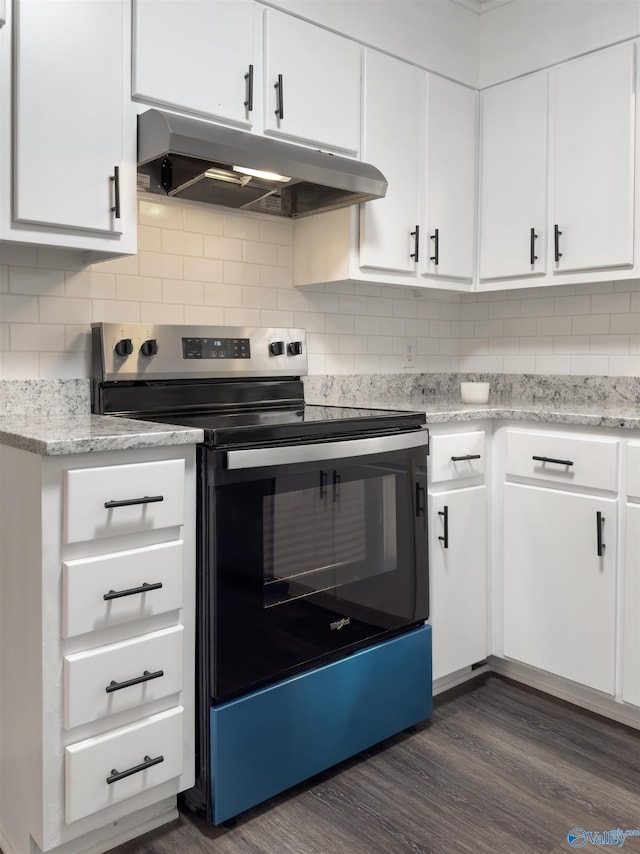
[{"x": 200, "y": 265}]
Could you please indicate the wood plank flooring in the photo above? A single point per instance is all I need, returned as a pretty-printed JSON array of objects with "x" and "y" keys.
[{"x": 500, "y": 768}]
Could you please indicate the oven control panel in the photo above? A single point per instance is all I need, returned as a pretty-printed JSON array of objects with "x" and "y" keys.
[{"x": 136, "y": 351}]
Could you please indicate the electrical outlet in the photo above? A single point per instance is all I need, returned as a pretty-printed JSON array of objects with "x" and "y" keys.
[{"x": 409, "y": 352}]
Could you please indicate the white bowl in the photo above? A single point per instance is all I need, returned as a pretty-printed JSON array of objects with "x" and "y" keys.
[{"x": 474, "y": 392}]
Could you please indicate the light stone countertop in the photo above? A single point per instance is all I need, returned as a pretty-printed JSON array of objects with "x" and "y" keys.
[{"x": 86, "y": 433}]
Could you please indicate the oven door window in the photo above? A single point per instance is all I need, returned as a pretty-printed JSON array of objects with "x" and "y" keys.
[{"x": 313, "y": 560}]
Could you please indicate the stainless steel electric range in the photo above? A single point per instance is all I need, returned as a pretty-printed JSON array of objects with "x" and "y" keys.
[{"x": 312, "y": 563}]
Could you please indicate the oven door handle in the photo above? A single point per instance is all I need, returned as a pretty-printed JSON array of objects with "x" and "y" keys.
[{"x": 250, "y": 458}]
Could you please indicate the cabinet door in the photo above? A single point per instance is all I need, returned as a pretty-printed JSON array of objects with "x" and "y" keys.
[
  {"x": 593, "y": 150},
  {"x": 68, "y": 113},
  {"x": 318, "y": 101},
  {"x": 392, "y": 124},
  {"x": 458, "y": 579},
  {"x": 449, "y": 242},
  {"x": 194, "y": 56},
  {"x": 559, "y": 595},
  {"x": 631, "y": 635},
  {"x": 513, "y": 179}
]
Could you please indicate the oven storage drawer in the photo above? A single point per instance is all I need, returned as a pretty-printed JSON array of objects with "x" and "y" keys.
[
  {"x": 457, "y": 456},
  {"x": 91, "y": 765},
  {"x": 271, "y": 739},
  {"x": 112, "y": 500},
  {"x": 568, "y": 460},
  {"x": 117, "y": 676},
  {"x": 137, "y": 584}
]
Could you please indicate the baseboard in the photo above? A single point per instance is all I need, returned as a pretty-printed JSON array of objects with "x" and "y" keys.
[{"x": 571, "y": 692}]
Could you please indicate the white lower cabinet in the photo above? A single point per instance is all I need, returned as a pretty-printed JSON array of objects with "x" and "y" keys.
[
  {"x": 560, "y": 583},
  {"x": 457, "y": 550},
  {"x": 97, "y": 593},
  {"x": 631, "y": 581},
  {"x": 458, "y": 579}
]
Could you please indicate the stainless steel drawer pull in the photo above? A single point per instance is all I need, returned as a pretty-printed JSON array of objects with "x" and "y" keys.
[
  {"x": 146, "y": 676},
  {"x": 118, "y": 594},
  {"x": 466, "y": 457},
  {"x": 128, "y": 502},
  {"x": 120, "y": 775},
  {"x": 552, "y": 460}
]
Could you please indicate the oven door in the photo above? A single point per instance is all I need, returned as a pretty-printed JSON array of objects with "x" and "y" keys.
[{"x": 315, "y": 549}]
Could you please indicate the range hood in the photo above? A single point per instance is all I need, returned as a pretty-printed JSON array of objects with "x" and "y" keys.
[{"x": 196, "y": 160}]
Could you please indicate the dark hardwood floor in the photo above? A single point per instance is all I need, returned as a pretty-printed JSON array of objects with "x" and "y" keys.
[{"x": 499, "y": 768}]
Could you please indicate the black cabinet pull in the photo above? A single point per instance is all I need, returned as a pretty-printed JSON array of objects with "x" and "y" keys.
[
  {"x": 532, "y": 251},
  {"x": 128, "y": 502},
  {"x": 249, "y": 81},
  {"x": 599, "y": 527},
  {"x": 445, "y": 514},
  {"x": 416, "y": 253},
  {"x": 323, "y": 483},
  {"x": 146, "y": 676},
  {"x": 118, "y": 594},
  {"x": 280, "y": 98},
  {"x": 336, "y": 485},
  {"x": 436, "y": 246},
  {"x": 420, "y": 491},
  {"x": 556, "y": 242},
  {"x": 466, "y": 457},
  {"x": 120, "y": 775},
  {"x": 115, "y": 210},
  {"x": 552, "y": 460}
]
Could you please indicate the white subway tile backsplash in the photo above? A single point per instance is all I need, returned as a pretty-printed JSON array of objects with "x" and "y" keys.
[
  {"x": 36, "y": 280},
  {"x": 199, "y": 265}
]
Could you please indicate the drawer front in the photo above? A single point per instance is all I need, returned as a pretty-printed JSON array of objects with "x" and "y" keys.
[
  {"x": 129, "y": 579},
  {"x": 633, "y": 470},
  {"x": 111, "y": 500},
  {"x": 567, "y": 460},
  {"x": 457, "y": 456},
  {"x": 89, "y": 764},
  {"x": 100, "y": 682}
]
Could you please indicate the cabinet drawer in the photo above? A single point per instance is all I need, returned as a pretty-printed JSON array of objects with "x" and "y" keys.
[
  {"x": 633, "y": 470},
  {"x": 90, "y": 764},
  {"x": 86, "y": 582},
  {"x": 117, "y": 676},
  {"x": 568, "y": 460},
  {"x": 111, "y": 500},
  {"x": 457, "y": 456}
]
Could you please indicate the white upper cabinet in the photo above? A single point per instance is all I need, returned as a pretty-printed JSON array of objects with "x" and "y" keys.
[
  {"x": 312, "y": 84},
  {"x": 450, "y": 189},
  {"x": 513, "y": 179},
  {"x": 74, "y": 158},
  {"x": 593, "y": 154},
  {"x": 197, "y": 57},
  {"x": 390, "y": 227}
]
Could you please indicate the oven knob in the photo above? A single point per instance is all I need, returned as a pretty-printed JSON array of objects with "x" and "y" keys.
[
  {"x": 294, "y": 348},
  {"x": 149, "y": 348},
  {"x": 276, "y": 348},
  {"x": 124, "y": 347}
]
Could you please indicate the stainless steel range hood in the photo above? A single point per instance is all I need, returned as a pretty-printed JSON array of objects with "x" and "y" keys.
[{"x": 196, "y": 160}]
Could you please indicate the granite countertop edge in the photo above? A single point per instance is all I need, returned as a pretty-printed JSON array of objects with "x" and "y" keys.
[{"x": 84, "y": 433}]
